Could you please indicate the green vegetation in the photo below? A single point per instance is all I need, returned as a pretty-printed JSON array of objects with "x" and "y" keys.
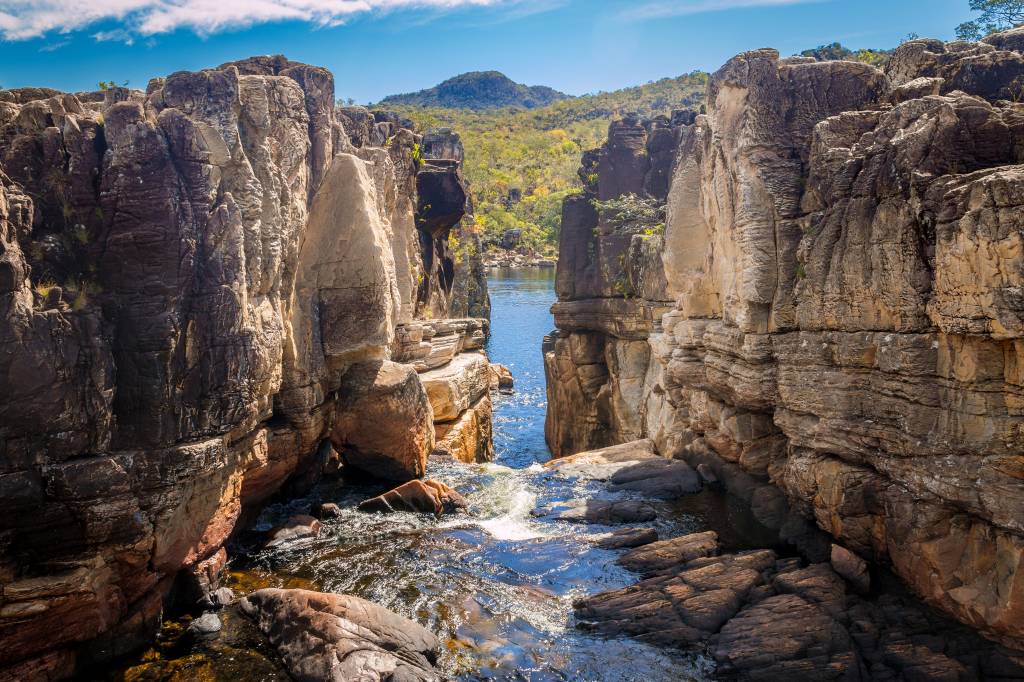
[
  {"x": 521, "y": 163},
  {"x": 477, "y": 90},
  {"x": 43, "y": 289},
  {"x": 836, "y": 51},
  {"x": 632, "y": 214},
  {"x": 110, "y": 85},
  {"x": 996, "y": 15}
]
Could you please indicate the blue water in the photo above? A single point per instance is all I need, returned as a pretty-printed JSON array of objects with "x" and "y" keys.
[{"x": 521, "y": 301}]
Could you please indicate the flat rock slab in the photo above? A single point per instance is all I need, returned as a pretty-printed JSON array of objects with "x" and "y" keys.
[
  {"x": 671, "y": 555},
  {"x": 786, "y": 637},
  {"x": 601, "y": 465},
  {"x": 627, "y": 538},
  {"x": 340, "y": 638},
  {"x": 681, "y": 609},
  {"x": 607, "y": 512},
  {"x": 666, "y": 479}
]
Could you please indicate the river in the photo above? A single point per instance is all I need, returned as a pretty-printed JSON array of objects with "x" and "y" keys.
[{"x": 496, "y": 586}]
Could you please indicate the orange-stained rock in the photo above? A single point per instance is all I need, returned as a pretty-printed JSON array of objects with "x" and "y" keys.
[
  {"x": 429, "y": 497},
  {"x": 468, "y": 438}
]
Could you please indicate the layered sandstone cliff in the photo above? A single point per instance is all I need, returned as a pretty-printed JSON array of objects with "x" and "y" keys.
[
  {"x": 833, "y": 320},
  {"x": 206, "y": 290}
]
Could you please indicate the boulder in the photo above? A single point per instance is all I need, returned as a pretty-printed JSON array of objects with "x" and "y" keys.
[
  {"x": 297, "y": 529},
  {"x": 607, "y": 512},
  {"x": 205, "y": 626},
  {"x": 427, "y": 497},
  {"x": 384, "y": 424},
  {"x": 500, "y": 376},
  {"x": 468, "y": 438},
  {"x": 666, "y": 556},
  {"x": 602, "y": 464},
  {"x": 340, "y": 637},
  {"x": 627, "y": 538},
  {"x": 454, "y": 388},
  {"x": 851, "y": 567},
  {"x": 662, "y": 478},
  {"x": 326, "y": 510}
]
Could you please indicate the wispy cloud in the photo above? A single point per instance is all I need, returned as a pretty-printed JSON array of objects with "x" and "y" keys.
[
  {"x": 678, "y": 8},
  {"x": 23, "y": 19},
  {"x": 118, "y": 35},
  {"x": 53, "y": 47}
]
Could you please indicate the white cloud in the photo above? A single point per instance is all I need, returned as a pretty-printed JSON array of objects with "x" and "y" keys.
[
  {"x": 679, "y": 8},
  {"x": 22, "y": 19}
]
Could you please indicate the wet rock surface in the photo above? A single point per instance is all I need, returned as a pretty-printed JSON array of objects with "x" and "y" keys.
[
  {"x": 430, "y": 497},
  {"x": 339, "y": 637},
  {"x": 607, "y": 512},
  {"x": 297, "y": 529},
  {"x": 666, "y": 555},
  {"x": 627, "y": 537}
]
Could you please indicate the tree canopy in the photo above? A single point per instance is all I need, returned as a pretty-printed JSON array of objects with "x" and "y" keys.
[
  {"x": 521, "y": 163},
  {"x": 996, "y": 15}
]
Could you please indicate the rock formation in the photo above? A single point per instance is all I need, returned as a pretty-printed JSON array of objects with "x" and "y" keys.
[
  {"x": 427, "y": 497},
  {"x": 832, "y": 324},
  {"x": 339, "y": 637},
  {"x": 206, "y": 293}
]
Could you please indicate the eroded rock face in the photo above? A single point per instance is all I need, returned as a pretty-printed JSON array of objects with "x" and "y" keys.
[
  {"x": 200, "y": 286},
  {"x": 843, "y": 249},
  {"x": 339, "y": 637}
]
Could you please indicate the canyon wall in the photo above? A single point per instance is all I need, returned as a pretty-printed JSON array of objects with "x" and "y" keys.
[
  {"x": 209, "y": 291},
  {"x": 832, "y": 321}
]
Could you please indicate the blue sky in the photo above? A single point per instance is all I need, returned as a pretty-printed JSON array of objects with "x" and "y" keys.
[{"x": 381, "y": 47}]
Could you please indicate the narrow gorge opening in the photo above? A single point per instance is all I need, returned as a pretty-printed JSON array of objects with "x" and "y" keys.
[{"x": 297, "y": 389}]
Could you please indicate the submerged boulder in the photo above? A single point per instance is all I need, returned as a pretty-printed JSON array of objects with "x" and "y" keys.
[
  {"x": 298, "y": 528},
  {"x": 339, "y": 638},
  {"x": 606, "y": 512}
]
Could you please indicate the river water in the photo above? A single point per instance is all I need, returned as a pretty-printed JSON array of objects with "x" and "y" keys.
[{"x": 497, "y": 585}]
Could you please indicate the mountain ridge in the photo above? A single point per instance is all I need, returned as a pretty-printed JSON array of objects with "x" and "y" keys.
[{"x": 478, "y": 90}]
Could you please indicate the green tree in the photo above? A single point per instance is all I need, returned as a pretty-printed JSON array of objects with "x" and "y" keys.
[{"x": 996, "y": 15}]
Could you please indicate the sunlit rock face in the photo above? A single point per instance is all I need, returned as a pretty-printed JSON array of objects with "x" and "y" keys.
[
  {"x": 844, "y": 265},
  {"x": 202, "y": 287}
]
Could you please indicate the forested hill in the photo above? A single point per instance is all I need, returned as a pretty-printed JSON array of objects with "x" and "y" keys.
[
  {"x": 522, "y": 162},
  {"x": 477, "y": 90}
]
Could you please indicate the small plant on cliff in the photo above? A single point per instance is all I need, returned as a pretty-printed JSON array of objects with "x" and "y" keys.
[
  {"x": 417, "y": 155},
  {"x": 633, "y": 214},
  {"x": 110, "y": 85},
  {"x": 996, "y": 15},
  {"x": 43, "y": 289}
]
